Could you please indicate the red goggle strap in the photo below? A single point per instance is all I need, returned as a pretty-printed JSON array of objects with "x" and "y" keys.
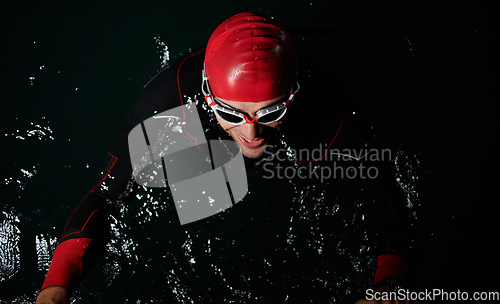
[
  {"x": 290, "y": 99},
  {"x": 209, "y": 100}
]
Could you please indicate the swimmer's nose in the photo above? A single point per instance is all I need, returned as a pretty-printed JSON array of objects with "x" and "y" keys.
[{"x": 250, "y": 130}]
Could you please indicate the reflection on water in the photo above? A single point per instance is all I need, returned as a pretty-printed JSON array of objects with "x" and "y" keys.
[
  {"x": 10, "y": 256},
  {"x": 45, "y": 247}
]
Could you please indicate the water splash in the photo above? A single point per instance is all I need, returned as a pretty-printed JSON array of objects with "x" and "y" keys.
[
  {"x": 179, "y": 290},
  {"x": 407, "y": 165},
  {"x": 163, "y": 51},
  {"x": 152, "y": 204},
  {"x": 40, "y": 131},
  {"x": 27, "y": 175},
  {"x": 121, "y": 247},
  {"x": 45, "y": 247},
  {"x": 410, "y": 48},
  {"x": 10, "y": 255}
]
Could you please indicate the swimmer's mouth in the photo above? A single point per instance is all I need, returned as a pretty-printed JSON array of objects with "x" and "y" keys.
[{"x": 251, "y": 144}]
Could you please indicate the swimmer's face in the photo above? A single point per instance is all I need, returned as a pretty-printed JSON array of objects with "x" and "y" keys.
[{"x": 252, "y": 138}]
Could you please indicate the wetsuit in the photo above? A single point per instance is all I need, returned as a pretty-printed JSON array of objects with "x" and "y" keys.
[{"x": 320, "y": 116}]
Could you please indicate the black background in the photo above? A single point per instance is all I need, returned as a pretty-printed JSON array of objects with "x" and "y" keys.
[{"x": 424, "y": 72}]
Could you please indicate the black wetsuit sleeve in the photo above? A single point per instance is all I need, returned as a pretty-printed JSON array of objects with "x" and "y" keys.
[
  {"x": 375, "y": 193},
  {"x": 87, "y": 230},
  {"x": 369, "y": 181}
]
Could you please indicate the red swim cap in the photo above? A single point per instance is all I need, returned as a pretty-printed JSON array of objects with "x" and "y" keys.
[{"x": 250, "y": 58}]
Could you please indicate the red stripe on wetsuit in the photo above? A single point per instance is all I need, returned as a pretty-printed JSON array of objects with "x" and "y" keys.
[
  {"x": 389, "y": 265},
  {"x": 66, "y": 266}
]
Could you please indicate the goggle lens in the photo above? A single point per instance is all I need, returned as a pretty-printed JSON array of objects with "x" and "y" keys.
[
  {"x": 235, "y": 117},
  {"x": 230, "y": 118},
  {"x": 272, "y": 116},
  {"x": 264, "y": 116}
]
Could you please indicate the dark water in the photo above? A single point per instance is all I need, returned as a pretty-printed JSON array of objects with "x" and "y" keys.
[{"x": 424, "y": 73}]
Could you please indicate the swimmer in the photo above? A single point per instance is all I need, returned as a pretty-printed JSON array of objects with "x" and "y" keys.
[{"x": 248, "y": 76}]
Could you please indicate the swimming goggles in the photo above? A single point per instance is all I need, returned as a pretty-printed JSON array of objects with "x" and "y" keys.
[{"x": 237, "y": 117}]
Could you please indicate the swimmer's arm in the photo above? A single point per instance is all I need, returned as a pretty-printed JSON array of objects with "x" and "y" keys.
[
  {"x": 389, "y": 267},
  {"x": 53, "y": 295}
]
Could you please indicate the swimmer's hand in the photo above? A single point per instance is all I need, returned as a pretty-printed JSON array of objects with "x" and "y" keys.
[{"x": 53, "y": 295}]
